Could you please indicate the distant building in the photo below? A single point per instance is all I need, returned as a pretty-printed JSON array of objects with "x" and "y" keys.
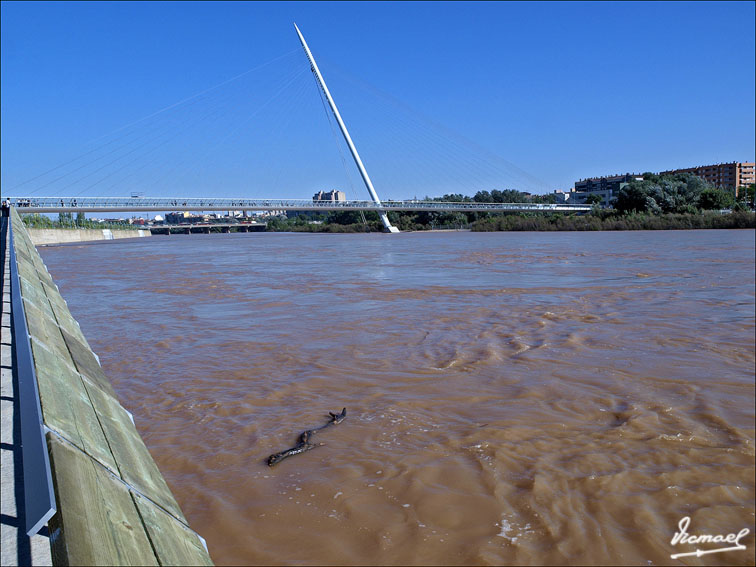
[
  {"x": 176, "y": 218},
  {"x": 606, "y": 187},
  {"x": 606, "y": 183},
  {"x": 732, "y": 175},
  {"x": 334, "y": 195},
  {"x": 561, "y": 196}
]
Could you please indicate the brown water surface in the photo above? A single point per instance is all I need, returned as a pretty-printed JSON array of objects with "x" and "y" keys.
[{"x": 512, "y": 398}]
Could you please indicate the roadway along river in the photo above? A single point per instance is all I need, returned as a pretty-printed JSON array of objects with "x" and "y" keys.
[{"x": 512, "y": 398}]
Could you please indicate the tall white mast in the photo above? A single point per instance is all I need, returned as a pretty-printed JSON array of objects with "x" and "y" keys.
[{"x": 363, "y": 172}]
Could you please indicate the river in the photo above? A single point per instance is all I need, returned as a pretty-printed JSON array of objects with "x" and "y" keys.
[{"x": 512, "y": 398}]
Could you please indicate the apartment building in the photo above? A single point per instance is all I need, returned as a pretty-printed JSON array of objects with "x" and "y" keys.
[
  {"x": 605, "y": 187},
  {"x": 734, "y": 175},
  {"x": 329, "y": 196}
]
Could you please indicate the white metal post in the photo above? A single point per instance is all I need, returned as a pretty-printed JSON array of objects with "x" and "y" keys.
[{"x": 363, "y": 172}]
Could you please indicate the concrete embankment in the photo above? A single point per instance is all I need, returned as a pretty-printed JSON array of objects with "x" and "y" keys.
[
  {"x": 113, "y": 506},
  {"x": 42, "y": 236}
]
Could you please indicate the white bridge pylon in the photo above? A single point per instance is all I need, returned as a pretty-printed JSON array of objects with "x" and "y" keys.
[{"x": 388, "y": 227}]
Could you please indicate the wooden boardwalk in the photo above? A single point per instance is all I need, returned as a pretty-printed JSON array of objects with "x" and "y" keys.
[{"x": 113, "y": 504}]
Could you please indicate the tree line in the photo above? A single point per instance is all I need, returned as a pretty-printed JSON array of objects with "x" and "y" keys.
[
  {"x": 678, "y": 193},
  {"x": 67, "y": 220},
  {"x": 676, "y": 201}
]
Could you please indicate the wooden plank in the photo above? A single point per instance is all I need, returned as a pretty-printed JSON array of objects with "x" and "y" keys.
[
  {"x": 44, "y": 275},
  {"x": 86, "y": 363},
  {"x": 32, "y": 292},
  {"x": 135, "y": 463},
  {"x": 23, "y": 253},
  {"x": 31, "y": 310},
  {"x": 36, "y": 258},
  {"x": 43, "y": 328},
  {"x": 61, "y": 312},
  {"x": 66, "y": 322},
  {"x": 27, "y": 270},
  {"x": 52, "y": 293},
  {"x": 97, "y": 522},
  {"x": 174, "y": 543},
  {"x": 66, "y": 407},
  {"x": 21, "y": 238}
]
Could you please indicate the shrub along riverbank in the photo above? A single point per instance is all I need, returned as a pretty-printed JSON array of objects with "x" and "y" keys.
[
  {"x": 596, "y": 220},
  {"x": 606, "y": 220}
]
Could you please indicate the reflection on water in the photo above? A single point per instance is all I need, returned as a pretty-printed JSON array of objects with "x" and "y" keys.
[{"x": 528, "y": 398}]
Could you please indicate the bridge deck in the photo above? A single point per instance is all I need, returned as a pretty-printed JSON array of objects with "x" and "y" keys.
[{"x": 126, "y": 204}]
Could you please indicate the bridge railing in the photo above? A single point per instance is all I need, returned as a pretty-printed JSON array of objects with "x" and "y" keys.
[{"x": 121, "y": 204}]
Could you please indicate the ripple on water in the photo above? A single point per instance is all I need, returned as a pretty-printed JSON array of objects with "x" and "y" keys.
[{"x": 512, "y": 398}]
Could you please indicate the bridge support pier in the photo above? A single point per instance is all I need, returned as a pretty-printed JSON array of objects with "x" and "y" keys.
[{"x": 387, "y": 226}]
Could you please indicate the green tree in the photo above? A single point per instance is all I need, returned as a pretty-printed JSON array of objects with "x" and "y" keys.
[
  {"x": 547, "y": 199},
  {"x": 715, "y": 199},
  {"x": 455, "y": 198},
  {"x": 344, "y": 217},
  {"x": 634, "y": 197},
  {"x": 679, "y": 193},
  {"x": 482, "y": 197},
  {"x": 748, "y": 193},
  {"x": 594, "y": 199}
]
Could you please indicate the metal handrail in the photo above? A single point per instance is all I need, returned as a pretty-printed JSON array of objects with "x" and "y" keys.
[{"x": 39, "y": 495}]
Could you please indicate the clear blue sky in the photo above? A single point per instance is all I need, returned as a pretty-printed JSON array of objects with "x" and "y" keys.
[{"x": 562, "y": 90}]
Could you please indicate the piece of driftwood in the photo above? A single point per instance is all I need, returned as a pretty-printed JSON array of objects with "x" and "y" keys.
[{"x": 305, "y": 442}]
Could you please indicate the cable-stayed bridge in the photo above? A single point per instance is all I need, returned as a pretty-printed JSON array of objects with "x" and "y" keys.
[
  {"x": 142, "y": 204},
  {"x": 133, "y": 153}
]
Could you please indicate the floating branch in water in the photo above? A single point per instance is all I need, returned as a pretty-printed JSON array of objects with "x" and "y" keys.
[{"x": 305, "y": 440}]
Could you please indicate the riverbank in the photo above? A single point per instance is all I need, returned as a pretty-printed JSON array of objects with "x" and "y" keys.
[
  {"x": 44, "y": 236},
  {"x": 609, "y": 221},
  {"x": 534, "y": 222},
  {"x": 526, "y": 222}
]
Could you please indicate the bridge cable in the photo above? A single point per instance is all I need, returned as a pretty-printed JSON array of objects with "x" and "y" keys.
[
  {"x": 235, "y": 130},
  {"x": 169, "y": 107},
  {"x": 437, "y": 133},
  {"x": 333, "y": 131},
  {"x": 216, "y": 108}
]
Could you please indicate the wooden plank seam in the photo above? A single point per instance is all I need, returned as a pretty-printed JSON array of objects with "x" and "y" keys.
[
  {"x": 117, "y": 477},
  {"x": 56, "y": 321},
  {"x": 73, "y": 369}
]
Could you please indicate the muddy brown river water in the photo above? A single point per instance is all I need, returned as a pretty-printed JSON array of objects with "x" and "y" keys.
[{"x": 512, "y": 398}]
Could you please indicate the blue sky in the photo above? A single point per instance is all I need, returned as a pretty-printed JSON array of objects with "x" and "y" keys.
[{"x": 557, "y": 90}]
